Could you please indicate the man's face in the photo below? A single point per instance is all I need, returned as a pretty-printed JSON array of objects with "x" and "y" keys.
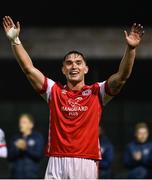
[
  {"x": 74, "y": 68},
  {"x": 142, "y": 135},
  {"x": 25, "y": 125}
]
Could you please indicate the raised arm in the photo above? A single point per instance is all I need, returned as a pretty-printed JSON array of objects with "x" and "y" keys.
[
  {"x": 117, "y": 80},
  {"x": 12, "y": 31}
]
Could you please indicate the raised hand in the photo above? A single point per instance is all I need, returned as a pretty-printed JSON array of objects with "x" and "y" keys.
[
  {"x": 134, "y": 37},
  {"x": 8, "y": 24},
  {"x": 12, "y": 31}
]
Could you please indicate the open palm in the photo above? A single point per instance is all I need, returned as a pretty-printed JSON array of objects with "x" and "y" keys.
[
  {"x": 8, "y": 24},
  {"x": 134, "y": 37}
]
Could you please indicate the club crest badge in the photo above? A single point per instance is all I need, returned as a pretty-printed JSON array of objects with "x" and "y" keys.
[{"x": 87, "y": 92}]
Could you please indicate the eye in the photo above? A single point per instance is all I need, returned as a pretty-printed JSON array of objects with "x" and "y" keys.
[
  {"x": 68, "y": 62},
  {"x": 78, "y": 62}
]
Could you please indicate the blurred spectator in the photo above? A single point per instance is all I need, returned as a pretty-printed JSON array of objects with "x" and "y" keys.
[
  {"x": 3, "y": 156},
  {"x": 3, "y": 148},
  {"x": 138, "y": 154},
  {"x": 26, "y": 150},
  {"x": 107, "y": 152}
]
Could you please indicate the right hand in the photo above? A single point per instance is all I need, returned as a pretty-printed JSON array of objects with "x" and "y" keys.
[
  {"x": 12, "y": 31},
  {"x": 21, "y": 144},
  {"x": 137, "y": 155}
]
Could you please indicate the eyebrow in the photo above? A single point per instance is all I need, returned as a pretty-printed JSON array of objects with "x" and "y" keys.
[{"x": 66, "y": 60}]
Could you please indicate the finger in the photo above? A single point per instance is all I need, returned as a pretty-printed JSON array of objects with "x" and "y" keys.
[
  {"x": 133, "y": 27},
  {"x": 139, "y": 27},
  {"x": 141, "y": 33},
  {"x": 4, "y": 26},
  {"x": 140, "y": 30},
  {"x": 18, "y": 25},
  {"x": 8, "y": 20},
  {"x": 5, "y": 22},
  {"x": 126, "y": 34}
]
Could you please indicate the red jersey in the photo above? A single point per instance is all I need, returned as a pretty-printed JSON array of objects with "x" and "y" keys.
[{"x": 74, "y": 119}]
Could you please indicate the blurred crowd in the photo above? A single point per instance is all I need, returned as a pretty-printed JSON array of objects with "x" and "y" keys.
[
  {"x": 137, "y": 157},
  {"x": 26, "y": 149}
]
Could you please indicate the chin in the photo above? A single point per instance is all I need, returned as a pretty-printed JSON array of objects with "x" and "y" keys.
[
  {"x": 142, "y": 141},
  {"x": 74, "y": 80}
]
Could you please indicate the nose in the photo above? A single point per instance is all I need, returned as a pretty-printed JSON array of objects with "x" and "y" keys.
[{"x": 74, "y": 65}]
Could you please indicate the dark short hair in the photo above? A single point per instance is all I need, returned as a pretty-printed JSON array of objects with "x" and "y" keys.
[
  {"x": 29, "y": 116},
  {"x": 75, "y": 52},
  {"x": 141, "y": 125}
]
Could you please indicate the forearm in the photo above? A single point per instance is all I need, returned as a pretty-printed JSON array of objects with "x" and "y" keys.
[
  {"x": 12, "y": 31},
  {"x": 117, "y": 80},
  {"x": 22, "y": 58},
  {"x": 35, "y": 77},
  {"x": 13, "y": 153},
  {"x": 127, "y": 63},
  {"x": 36, "y": 152},
  {"x": 132, "y": 163}
]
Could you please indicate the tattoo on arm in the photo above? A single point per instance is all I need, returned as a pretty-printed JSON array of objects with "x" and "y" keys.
[{"x": 115, "y": 86}]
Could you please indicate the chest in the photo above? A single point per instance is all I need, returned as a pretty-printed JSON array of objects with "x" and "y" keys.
[
  {"x": 74, "y": 104},
  {"x": 144, "y": 149}
]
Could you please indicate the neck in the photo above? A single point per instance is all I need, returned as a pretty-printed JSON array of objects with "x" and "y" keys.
[
  {"x": 27, "y": 133},
  {"x": 76, "y": 85}
]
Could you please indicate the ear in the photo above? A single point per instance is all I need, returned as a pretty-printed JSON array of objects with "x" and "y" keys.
[
  {"x": 86, "y": 70},
  {"x": 63, "y": 70},
  {"x": 32, "y": 125}
]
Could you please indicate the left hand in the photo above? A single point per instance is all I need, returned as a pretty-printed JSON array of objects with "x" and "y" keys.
[
  {"x": 137, "y": 155},
  {"x": 134, "y": 37},
  {"x": 21, "y": 144}
]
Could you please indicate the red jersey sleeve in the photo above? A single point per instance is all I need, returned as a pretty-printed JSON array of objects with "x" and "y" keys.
[
  {"x": 104, "y": 92},
  {"x": 46, "y": 88}
]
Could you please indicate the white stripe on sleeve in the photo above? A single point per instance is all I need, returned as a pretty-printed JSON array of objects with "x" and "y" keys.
[
  {"x": 3, "y": 152},
  {"x": 47, "y": 94},
  {"x": 2, "y": 137},
  {"x": 102, "y": 91},
  {"x": 105, "y": 97}
]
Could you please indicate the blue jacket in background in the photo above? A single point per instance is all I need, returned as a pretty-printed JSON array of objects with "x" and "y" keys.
[
  {"x": 107, "y": 152},
  {"x": 145, "y": 149},
  {"x": 25, "y": 164}
]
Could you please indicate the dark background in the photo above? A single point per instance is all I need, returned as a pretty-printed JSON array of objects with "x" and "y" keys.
[
  {"x": 131, "y": 106},
  {"x": 77, "y": 12}
]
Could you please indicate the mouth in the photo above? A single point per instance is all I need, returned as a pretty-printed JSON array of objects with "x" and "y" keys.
[{"x": 73, "y": 73}]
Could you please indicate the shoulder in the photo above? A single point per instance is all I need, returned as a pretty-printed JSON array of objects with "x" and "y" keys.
[
  {"x": 131, "y": 145},
  {"x": 149, "y": 143},
  {"x": 100, "y": 85},
  {"x": 94, "y": 86},
  {"x": 15, "y": 137},
  {"x": 37, "y": 134},
  {"x": 1, "y": 132},
  {"x": 57, "y": 85}
]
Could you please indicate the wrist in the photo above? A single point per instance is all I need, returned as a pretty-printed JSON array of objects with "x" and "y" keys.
[
  {"x": 12, "y": 35},
  {"x": 15, "y": 41},
  {"x": 131, "y": 47}
]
